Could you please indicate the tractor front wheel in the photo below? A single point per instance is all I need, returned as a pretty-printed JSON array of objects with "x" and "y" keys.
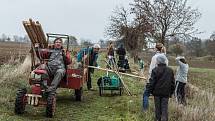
[
  {"x": 20, "y": 101},
  {"x": 51, "y": 105},
  {"x": 78, "y": 94}
]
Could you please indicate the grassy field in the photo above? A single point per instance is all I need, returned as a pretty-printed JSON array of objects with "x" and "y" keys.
[
  {"x": 203, "y": 78},
  {"x": 201, "y": 100}
]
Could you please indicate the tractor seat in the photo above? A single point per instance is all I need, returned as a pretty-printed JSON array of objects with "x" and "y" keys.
[{"x": 40, "y": 71}]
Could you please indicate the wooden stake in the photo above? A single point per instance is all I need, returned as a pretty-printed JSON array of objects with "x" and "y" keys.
[
  {"x": 26, "y": 24},
  {"x": 131, "y": 75},
  {"x": 42, "y": 33},
  {"x": 37, "y": 34},
  {"x": 29, "y": 27}
]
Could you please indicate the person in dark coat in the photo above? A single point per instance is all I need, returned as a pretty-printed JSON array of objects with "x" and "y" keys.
[
  {"x": 161, "y": 86},
  {"x": 121, "y": 52}
]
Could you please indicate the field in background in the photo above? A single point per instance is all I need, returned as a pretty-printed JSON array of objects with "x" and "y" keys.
[
  {"x": 195, "y": 62},
  {"x": 12, "y": 51}
]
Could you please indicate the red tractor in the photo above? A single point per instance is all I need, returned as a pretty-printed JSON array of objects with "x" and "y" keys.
[{"x": 39, "y": 81}]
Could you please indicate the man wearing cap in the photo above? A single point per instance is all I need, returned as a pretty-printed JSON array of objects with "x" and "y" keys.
[
  {"x": 93, "y": 56},
  {"x": 161, "y": 86},
  {"x": 159, "y": 49},
  {"x": 181, "y": 79}
]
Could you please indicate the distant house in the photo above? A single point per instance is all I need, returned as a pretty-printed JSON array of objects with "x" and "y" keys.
[{"x": 150, "y": 45}]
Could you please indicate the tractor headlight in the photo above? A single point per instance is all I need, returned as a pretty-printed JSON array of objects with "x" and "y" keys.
[{"x": 35, "y": 76}]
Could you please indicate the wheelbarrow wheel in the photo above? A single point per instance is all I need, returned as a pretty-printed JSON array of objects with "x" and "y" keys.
[
  {"x": 20, "y": 101},
  {"x": 78, "y": 94},
  {"x": 51, "y": 105},
  {"x": 120, "y": 91}
]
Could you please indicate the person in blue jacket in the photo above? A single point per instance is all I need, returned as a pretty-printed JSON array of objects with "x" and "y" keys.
[{"x": 93, "y": 56}]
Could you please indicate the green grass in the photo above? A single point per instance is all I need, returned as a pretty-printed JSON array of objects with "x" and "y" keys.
[
  {"x": 202, "y": 78},
  {"x": 106, "y": 108},
  {"x": 93, "y": 107}
]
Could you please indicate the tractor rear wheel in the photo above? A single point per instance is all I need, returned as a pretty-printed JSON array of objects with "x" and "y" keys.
[
  {"x": 51, "y": 105},
  {"x": 78, "y": 94},
  {"x": 20, "y": 101}
]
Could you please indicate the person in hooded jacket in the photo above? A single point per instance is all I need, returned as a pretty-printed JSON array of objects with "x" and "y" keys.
[
  {"x": 161, "y": 86},
  {"x": 159, "y": 50}
]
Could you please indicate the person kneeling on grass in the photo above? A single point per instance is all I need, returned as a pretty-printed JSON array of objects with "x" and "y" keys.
[{"x": 161, "y": 86}]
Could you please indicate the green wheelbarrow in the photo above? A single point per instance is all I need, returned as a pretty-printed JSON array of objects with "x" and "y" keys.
[{"x": 109, "y": 83}]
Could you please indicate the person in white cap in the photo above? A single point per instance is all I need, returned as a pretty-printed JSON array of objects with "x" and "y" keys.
[{"x": 92, "y": 52}]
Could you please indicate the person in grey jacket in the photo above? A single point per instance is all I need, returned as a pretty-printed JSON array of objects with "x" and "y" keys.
[
  {"x": 57, "y": 62},
  {"x": 181, "y": 79}
]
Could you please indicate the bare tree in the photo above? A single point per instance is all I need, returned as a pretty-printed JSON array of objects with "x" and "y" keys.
[
  {"x": 73, "y": 40},
  {"x": 86, "y": 42},
  {"x": 177, "y": 49},
  {"x": 102, "y": 43},
  {"x": 168, "y": 17},
  {"x": 4, "y": 37},
  {"x": 16, "y": 38},
  {"x": 129, "y": 28},
  {"x": 195, "y": 47},
  {"x": 119, "y": 21},
  {"x": 210, "y": 45}
]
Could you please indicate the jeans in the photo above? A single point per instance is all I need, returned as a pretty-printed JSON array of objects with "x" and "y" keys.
[
  {"x": 111, "y": 61},
  {"x": 145, "y": 103}
]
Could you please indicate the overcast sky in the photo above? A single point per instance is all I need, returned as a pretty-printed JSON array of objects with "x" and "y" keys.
[{"x": 82, "y": 18}]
